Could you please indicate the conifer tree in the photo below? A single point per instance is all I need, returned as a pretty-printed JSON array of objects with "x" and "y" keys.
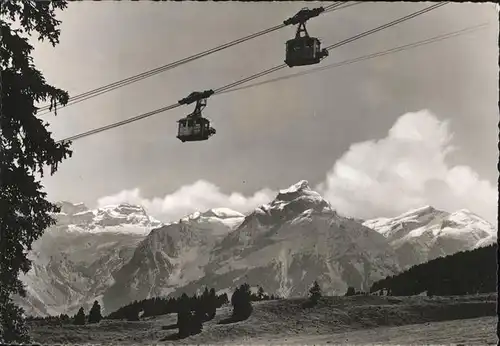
[
  {"x": 26, "y": 148},
  {"x": 260, "y": 293},
  {"x": 212, "y": 304},
  {"x": 350, "y": 291},
  {"x": 95, "y": 313},
  {"x": 315, "y": 293},
  {"x": 79, "y": 319},
  {"x": 242, "y": 302}
]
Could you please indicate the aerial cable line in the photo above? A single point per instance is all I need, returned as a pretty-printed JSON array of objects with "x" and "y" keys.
[
  {"x": 336, "y": 45},
  {"x": 339, "y": 7},
  {"x": 334, "y": 6},
  {"x": 365, "y": 57},
  {"x": 120, "y": 123},
  {"x": 112, "y": 86},
  {"x": 255, "y": 76},
  {"x": 382, "y": 27}
]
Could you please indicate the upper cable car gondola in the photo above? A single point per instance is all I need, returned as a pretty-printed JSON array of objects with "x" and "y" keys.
[
  {"x": 195, "y": 127},
  {"x": 304, "y": 49}
]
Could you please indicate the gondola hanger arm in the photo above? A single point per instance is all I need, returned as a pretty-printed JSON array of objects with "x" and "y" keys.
[
  {"x": 304, "y": 15},
  {"x": 196, "y": 96}
]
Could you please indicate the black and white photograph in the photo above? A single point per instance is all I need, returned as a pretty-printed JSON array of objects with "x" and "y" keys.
[{"x": 249, "y": 172}]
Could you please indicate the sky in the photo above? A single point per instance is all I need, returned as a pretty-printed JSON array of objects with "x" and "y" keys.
[{"x": 376, "y": 138}]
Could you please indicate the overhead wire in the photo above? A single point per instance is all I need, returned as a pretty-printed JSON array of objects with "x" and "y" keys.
[
  {"x": 120, "y": 123},
  {"x": 336, "y": 45},
  {"x": 340, "y": 7},
  {"x": 382, "y": 27},
  {"x": 121, "y": 83},
  {"x": 255, "y": 76},
  {"x": 334, "y": 6},
  {"x": 405, "y": 47}
]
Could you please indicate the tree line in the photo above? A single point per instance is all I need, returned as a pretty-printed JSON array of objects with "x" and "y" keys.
[
  {"x": 79, "y": 318},
  {"x": 466, "y": 272},
  {"x": 166, "y": 305}
]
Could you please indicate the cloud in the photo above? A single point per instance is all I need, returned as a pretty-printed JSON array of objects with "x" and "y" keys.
[
  {"x": 405, "y": 170},
  {"x": 386, "y": 177},
  {"x": 199, "y": 196}
]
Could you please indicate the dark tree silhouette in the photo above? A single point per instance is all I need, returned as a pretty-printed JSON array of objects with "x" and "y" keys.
[
  {"x": 184, "y": 316},
  {"x": 242, "y": 302},
  {"x": 64, "y": 318},
  {"x": 261, "y": 295},
  {"x": 191, "y": 314},
  {"x": 315, "y": 293},
  {"x": 79, "y": 319},
  {"x": 350, "y": 291},
  {"x": 213, "y": 304},
  {"x": 26, "y": 148},
  {"x": 95, "y": 313},
  {"x": 223, "y": 299}
]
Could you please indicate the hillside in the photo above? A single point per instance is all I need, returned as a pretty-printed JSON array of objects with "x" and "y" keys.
[
  {"x": 468, "y": 272},
  {"x": 170, "y": 256},
  {"x": 360, "y": 319}
]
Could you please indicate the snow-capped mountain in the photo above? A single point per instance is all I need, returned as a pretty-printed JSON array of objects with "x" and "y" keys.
[
  {"x": 122, "y": 218},
  {"x": 285, "y": 245},
  {"x": 426, "y": 233},
  {"x": 170, "y": 256},
  {"x": 118, "y": 254},
  {"x": 74, "y": 260}
]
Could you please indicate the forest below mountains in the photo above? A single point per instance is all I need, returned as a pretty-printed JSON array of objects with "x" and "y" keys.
[{"x": 466, "y": 272}]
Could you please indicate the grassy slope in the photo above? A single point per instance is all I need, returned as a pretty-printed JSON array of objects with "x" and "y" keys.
[{"x": 335, "y": 319}]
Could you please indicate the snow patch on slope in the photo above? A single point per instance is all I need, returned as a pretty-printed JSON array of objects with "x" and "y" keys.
[
  {"x": 426, "y": 233},
  {"x": 74, "y": 260}
]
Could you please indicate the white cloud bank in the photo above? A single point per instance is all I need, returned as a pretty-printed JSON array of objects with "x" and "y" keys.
[
  {"x": 405, "y": 170},
  {"x": 199, "y": 196}
]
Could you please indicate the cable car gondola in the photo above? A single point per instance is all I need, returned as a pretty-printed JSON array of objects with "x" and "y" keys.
[
  {"x": 303, "y": 50},
  {"x": 195, "y": 127}
]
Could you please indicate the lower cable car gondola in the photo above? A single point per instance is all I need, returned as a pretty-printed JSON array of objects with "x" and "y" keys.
[
  {"x": 195, "y": 127},
  {"x": 303, "y": 50}
]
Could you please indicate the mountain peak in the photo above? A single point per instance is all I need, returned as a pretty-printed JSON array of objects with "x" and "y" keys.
[
  {"x": 302, "y": 185},
  {"x": 296, "y": 199}
]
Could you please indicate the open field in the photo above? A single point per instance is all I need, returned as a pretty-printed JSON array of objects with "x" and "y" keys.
[{"x": 359, "y": 320}]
